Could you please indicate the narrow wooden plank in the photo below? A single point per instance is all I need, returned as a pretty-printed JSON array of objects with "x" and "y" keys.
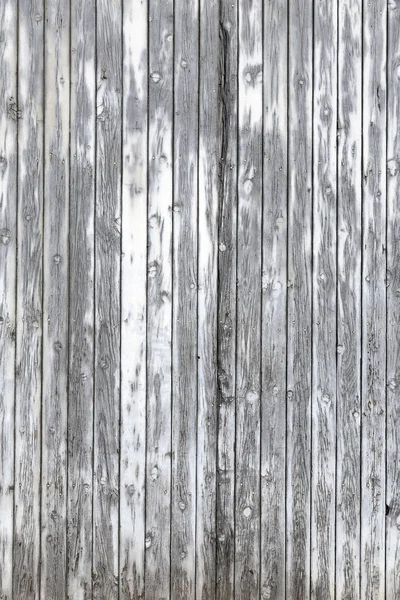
[
  {"x": 349, "y": 249},
  {"x": 323, "y": 465},
  {"x": 226, "y": 332},
  {"x": 107, "y": 301},
  {"x": 26, "y": 575},
  {"x": 55, "y": 306},
  {"x": 208, "y": 156},
  {"x": 373, "y": 303},
  {"x": 299, "y": 301},
  {"x": 81, "y": 300},
  {"x": 185, "y": 282},
  {"x": 249, "y": 251},
  {"x": 8, "y": 255},
  {"x": 159, "y": 353},
  {"x": 393, "y": 313},
  {"x": 274, "y": 274},
  {"x": 133, "y": 301}
]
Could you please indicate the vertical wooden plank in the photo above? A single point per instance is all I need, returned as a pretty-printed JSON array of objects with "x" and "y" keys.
[
  {"x": 55, "y": 306},
  {"x": 8, "y": 256},
  {"x": 393, "y": 312},
  {"x": 249, "y": 251},
  {"x": 133, "y": 301},
  {"x": 185, "y": 282},
  {"x": 107, "y": 301},
  {"x": 299, "y": 301},
  {"x": 81, "y": 299},
  {"x": 226, "y": 300},
  {"x": 374, "y": 302},
  {"x": 324, "y": 302},
  {"x": 349, "y": 249},
  {"x": 274, "y": 274},
  {"x": 207, "y": 301},
  {"x": 26, "y": 576},
  {"x": 159, "y": 353}
]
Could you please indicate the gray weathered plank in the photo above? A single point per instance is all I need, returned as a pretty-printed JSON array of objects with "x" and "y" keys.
[
  {"x": 159, "y": 353},
  {"x": 208, "y": 155},
  {"x": 185, "y": 282},
  {"x": 26, "y": 575},
  {"x": 55, "y": 306},
  {"x": 8, "y": 265},
  {"x": 249, "y": 252},
  {"x": 107, "y": 300},
  {"x": 299, "y": 301},
  {"x": 226, "y": 300},
  {"x": 393, "y": 313},
  {"x": 324, "y": 302},
  {"x": 349, "y": 192},
  {"x": 274, "y": 235},
  {"x": 81, "y": 300},
  {"x": 373, "y": 303},
  {"x": 133, "y": 302}
]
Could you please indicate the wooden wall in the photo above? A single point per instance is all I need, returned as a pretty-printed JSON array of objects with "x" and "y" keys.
[{"x": 199, "y": 299}]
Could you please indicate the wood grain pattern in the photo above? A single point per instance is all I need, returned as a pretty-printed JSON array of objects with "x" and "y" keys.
[
  {"x": 8, "y": 267},
  {"x": 349, "y": 191},
  {"x": 185, "y": 283},
  {"x": 30, "y": 109},
  {"x": 373, "y": 282},
  {"x": 299, "y": 308},
  {"x": 159, "y": 265},
  {"x": 274, "y": 274},
  {"x": 107, "y": 301},
  {"x": 248, "y": 317},
  {"x": 133, "y": 302}
]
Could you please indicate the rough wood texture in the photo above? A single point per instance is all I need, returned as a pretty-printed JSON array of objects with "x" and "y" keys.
[
  {"x": 8, "y": 266},
  {"x": 199, "y": 285},
  {"x": 349, "y": 193}
]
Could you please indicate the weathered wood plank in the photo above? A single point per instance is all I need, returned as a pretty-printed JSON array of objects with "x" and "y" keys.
[
  {"x": 323, "y": 467},
  {"x": 299, "y": 301},
  {"x": 8, "y": 266},
  {"x": 373, "y": 303},
  {"x": 249, "y": 253},
  {"x": 55, "y": 305},
  {"x": 208, "y": 157},
  {"x": 185, "y": 283},
  {"x": 274, "y": 274},
  {"x": 26, "y": 575},
  {"x": 133, "y": 302},
  {"x": 226, "y": 300},
  {"x": 349, "y": 193},
  {"x": 107, "y": 301},
  {"x": 393, "y": 313},
  {"x": 81, "y": 300},
  {"x": 159, "y": 356}
]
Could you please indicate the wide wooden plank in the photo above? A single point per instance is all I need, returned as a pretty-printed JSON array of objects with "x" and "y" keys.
[
  {"x": 159, "y": 353},
  {"x": 273, "y": 354},
  {"x": 393, "y": 312},
  {"x": 226, "y": 298},
  {"x": 208, "y": 156},
  {"x": 248, "y": 350},
  {"x": 26, "y": 575},
  {"x": 81, "y": 300},
  {"x": 299, "y": 301},
  {"x": 55, "y": 306},
  {"x": 323, "y": 466},
  {"x": 373, "y": 303},
  {"x": 349, "y": 191},
  {"x": 8, "y": 265},
  {"x": 185, "y": 282},
  {"x": 133, "y": 302},
  {"x": 107, "y": 300}
]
